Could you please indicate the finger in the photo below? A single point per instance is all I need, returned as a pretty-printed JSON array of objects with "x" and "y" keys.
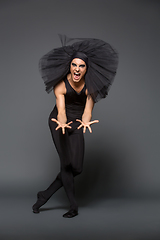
[
  {"x": 78, "y": 120},
  {"x": 84, "y": 129},
  {"x": 90, "y": 130},
  {"x": 57, "y": 128},
  {"x": 80, "y": 126},
  {"x": 54, "y": 120},
  {"x": 95, "y": 121},
  {"x": 69, "y": 123},
  {"x": 68, "y": 126},
  {"x": 63, "y": 130}
]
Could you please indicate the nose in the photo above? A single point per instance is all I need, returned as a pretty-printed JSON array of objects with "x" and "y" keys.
[{"x": 77, "y": 68}]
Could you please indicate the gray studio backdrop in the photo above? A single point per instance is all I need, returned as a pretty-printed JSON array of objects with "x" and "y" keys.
[{"x": 122, "y": 153}]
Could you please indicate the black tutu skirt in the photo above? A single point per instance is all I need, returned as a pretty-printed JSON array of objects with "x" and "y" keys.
[{"x": 101, "y": 70}]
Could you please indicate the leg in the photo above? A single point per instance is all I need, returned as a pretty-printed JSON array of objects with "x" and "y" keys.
[
  {"x": 65, "y": 177},
  {"x": 77, "y": 155},
  {"x": 63, "y": 146},
  {"x": 44, "y": 196},
  {"x": 77, "y": 151}
]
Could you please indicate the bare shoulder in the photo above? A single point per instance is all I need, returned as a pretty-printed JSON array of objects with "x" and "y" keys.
[
  {"x": 89, "y": 98},
  {"x": 60, "y": 88},
  {"x": 86, "y": 92}
]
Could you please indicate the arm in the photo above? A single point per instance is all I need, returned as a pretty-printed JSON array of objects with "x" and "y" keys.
[
  {"x": 87, "y": 115},
  {"x": 61, "y": 120},
  {"x": 59, "y": 92}
]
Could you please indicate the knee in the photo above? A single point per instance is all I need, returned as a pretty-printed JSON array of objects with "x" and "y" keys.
[
  {"x": 69, "y": 168},
  {"x": 66, "y": 168},
  {"x": 77, "y": 171}
]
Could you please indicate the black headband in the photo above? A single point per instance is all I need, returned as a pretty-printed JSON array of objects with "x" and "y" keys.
[{"x": 80, "y": 55}]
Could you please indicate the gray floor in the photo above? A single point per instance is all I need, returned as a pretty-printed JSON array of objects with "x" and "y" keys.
[{"x": 112, "y": 219}]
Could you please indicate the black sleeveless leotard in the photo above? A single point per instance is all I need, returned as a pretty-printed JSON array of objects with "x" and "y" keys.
[
  {"x": 70, "y": 146},
  {"x": 75, "y": 102}
]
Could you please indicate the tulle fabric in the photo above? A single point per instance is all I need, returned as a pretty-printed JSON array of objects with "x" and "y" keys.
[{"x": 102, "y": 64}]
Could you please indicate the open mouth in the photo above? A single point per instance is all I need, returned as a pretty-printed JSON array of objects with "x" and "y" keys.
[{"x": 76, "y": 76}]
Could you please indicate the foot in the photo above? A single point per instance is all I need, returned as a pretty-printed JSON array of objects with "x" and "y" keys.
[
  {"x": 40, "y": 202},
  {"x": 70, "y": 214},
  {"x": 35, "y": 209}
]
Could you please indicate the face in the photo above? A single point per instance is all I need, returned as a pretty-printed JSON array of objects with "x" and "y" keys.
[{"x": 78, "y": 69}]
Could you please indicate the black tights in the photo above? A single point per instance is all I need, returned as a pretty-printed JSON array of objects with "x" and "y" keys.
[{"x": 70, "y": 148}]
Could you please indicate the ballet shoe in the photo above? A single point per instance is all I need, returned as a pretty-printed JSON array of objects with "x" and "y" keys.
[
  {"x": 70, "y": 214},
  {"x": 40, "y": 202},
  {"x": 35, "y": 210}
]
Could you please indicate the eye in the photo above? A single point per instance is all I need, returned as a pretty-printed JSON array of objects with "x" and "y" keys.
[
  {"x": 74, "y": 65},
  {"x": 82, "y": 65}
]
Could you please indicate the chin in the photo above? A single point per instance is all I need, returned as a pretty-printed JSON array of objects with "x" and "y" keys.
[{"x": 76, "y": 80}]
